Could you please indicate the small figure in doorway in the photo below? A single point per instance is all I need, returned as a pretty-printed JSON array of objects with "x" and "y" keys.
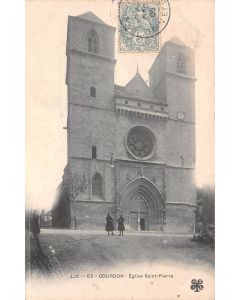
[
  {"x": 121, "y": 226},
  {"x": 109, "y": 224}
]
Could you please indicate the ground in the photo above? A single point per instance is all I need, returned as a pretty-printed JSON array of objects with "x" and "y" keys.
[{"x": 86, "y": 250}]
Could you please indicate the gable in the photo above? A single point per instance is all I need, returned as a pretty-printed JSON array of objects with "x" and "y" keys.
[
  {"x": 138, "y": 86},
  {"x": 91, "y": 17}
]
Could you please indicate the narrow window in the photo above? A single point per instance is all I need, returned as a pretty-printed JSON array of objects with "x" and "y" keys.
[
  {"x": 97, "y": 186},
  {"x": 93, "y": 91},
  {"x": 89, "y": 44},
  {"x": 94, "y": 152},
  {"x": 95, "y": 45},
  {"x": 181, "y": 63},
  {"x": 93, "y": 42}
]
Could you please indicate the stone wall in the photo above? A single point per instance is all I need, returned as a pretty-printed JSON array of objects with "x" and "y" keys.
[
  {"x": 92, "y": 215},
  {"x": 180, "y": 142},
  {"x": 179, "y": 219},
  {"x": 85, "y": 72},
  {"x": 92, "y": 127},
  {"x": 89, "y": 168},
  {"x": 180, "y": 185},
  {"x": 180, "y": 96}
]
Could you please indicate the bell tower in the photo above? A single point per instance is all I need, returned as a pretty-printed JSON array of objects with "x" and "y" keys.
[
  {"x": 91, "y": 114},
  {"x": 172, "y": 80},
  {"x": 90, "y": 81}
]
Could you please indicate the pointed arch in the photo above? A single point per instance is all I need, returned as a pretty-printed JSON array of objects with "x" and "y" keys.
[
  {"x": 93, "y": 42},
  {"x": 97, "y": 186},
  {"x": 181, "y": 63},
  {"x": 139, "y": 203},
  {"x": 144, "y": 188}
]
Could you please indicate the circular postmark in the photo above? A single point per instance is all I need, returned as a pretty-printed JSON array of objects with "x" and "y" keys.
[{"x": 144, "y": 19}]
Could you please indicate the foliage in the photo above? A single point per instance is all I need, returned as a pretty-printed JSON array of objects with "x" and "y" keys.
[
  {"x": 205, "y": 216},
  {"x": 206, "y": 204},
  {"x": 73, "y": 183}
]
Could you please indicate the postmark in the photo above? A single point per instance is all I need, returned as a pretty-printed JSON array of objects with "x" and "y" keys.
[{"x": 140, "y": 23}]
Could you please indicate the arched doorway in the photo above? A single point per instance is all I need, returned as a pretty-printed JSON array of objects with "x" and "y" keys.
[
  {"x": 139, "y": 214},
  {"x": 142, "y": 204}
]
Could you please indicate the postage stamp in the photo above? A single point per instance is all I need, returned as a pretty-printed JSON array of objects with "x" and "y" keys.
[{"x": 140, "y": 23}]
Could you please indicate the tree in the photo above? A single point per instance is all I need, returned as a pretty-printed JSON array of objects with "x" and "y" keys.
[
  {"x": 205, "y": 215},
  {"x": 73, "y": 184},
  {"x": 206, "y": 202}
]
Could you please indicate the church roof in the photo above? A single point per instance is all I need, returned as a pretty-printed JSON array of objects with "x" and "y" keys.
[
  {"x": 138, "y": 86},
  {"x": 176, "y": 40},
  {"x": 118, "y": 87},
  {"x": 91, "y": 17}
]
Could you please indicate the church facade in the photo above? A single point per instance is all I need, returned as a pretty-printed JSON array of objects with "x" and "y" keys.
[{"x": 132, "y": 147}]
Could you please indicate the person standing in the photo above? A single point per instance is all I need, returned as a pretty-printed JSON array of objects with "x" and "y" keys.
[
  {"x": 109, "y": 224},
  {"x": 34, "y": 223},
  {"x": 39, "y": 259},
  {"x": 121, "y": 226},
  {"x": 35, "y": 227}
]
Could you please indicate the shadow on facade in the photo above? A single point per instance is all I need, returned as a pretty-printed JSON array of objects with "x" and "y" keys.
[{"x": 61, "y": 209}]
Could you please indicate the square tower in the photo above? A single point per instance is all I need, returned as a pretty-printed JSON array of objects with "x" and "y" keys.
[
  {"x": 91, "y": 114},
  {"x": 172, "y": 80}
]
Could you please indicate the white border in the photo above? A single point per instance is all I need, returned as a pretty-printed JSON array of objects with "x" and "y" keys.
[
  {"x": 227, "y": 149},
  {"x": 12, "y": 150}
]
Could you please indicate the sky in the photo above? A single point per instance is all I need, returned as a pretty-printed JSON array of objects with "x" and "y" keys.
[{"x": 46, "y": 91}]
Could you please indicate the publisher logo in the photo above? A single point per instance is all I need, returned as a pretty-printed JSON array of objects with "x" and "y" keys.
[{"x": 196, "y": 285}]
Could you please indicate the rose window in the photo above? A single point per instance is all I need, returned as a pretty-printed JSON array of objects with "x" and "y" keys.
[{"x": 140, "y": 142}]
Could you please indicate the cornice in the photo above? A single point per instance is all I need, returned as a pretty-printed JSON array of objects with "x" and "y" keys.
[
  {"x": 90, "y": 54},
  {"x": 94, "y": 107},
  {"x": 184, "y": 76},
  {"x": 182, "y": 121},
  {"x": 181, "y": 203},
  {"x": 135, "y": 161}
]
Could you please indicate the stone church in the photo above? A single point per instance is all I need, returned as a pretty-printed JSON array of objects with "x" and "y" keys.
[{"x": 132, "y": 147}]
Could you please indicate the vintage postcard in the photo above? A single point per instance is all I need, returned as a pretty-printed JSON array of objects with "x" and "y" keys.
[{"x": 120, "y": 150}]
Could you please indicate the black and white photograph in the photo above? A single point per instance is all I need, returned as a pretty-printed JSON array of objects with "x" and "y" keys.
[{"x": 120, "y": 192}]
